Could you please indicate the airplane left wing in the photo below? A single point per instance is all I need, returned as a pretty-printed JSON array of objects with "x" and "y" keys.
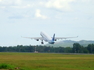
[{"x": 36, "y": 38}]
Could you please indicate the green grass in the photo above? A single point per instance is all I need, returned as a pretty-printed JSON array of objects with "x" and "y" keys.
[{"x": 48, "y": 61}]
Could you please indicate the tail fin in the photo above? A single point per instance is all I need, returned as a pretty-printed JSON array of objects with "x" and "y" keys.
[{"x": 53, "y": 38}]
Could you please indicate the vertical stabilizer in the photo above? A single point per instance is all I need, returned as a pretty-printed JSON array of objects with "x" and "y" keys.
[{"x": 53, "y": 39}]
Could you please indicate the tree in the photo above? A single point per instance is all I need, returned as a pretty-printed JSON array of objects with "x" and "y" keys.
[
  {"x": 68, "y": 50},
  {"x": 90, "y": 48},
  {"x": 77, "y": 48},
  {"x": 85, "y": 50}
]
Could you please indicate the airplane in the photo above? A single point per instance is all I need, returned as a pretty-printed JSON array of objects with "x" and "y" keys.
[{"x": 47, "y": 38}]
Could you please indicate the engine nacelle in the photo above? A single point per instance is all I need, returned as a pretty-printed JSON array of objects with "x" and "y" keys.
[
  {"x": 37, "y": 39},
  {"x": 55, "y": 40}
]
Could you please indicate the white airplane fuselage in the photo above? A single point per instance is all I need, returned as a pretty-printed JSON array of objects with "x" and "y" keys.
[{"x": 47, "y": 38}]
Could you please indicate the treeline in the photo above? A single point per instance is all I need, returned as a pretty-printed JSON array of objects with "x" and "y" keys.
[{"x": 77, "y": 48}]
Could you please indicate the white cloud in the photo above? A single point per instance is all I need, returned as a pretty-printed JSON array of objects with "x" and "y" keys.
[
  {"x": 0, "y": 0},
  {"x": 15, "y": 4},
  {"x": 2, "y": 7},
  {"x": 86, "y": 0},
  {"x": 59, "y": 4},
  {"x": 10, "y": 2},
  {"x": 39, "y": 15},
  {"x": 22, "y": 6},
  {"x": 18, "y": 1}
]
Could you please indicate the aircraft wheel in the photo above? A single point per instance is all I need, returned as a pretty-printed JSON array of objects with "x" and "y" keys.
[{"x": 42, "y": 43}]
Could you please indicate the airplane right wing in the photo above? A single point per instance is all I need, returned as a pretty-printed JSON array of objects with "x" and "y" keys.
[{"x": 57, "y": 38}]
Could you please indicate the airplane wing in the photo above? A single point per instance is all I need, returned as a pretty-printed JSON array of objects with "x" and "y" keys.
[
  {"x": 57, "y": 38},
  {"x": 36, "y": 38}
]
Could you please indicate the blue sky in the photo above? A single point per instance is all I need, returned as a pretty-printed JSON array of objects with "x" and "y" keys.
[{"x": 65, "y": 18}]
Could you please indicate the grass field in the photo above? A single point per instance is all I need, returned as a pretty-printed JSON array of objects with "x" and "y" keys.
[{"x": 48, "y": 61}]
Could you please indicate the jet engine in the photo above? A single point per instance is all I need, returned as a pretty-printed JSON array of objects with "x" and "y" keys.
[
  {"x": 37, "y": 39},
  {"x": 55, "y": 40}
]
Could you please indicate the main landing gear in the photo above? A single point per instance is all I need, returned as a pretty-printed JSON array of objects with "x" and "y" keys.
[{"x": 42, "y": 42}]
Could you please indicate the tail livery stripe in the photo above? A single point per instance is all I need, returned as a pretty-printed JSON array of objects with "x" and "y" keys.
[{"x": 53, "y": 39}]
